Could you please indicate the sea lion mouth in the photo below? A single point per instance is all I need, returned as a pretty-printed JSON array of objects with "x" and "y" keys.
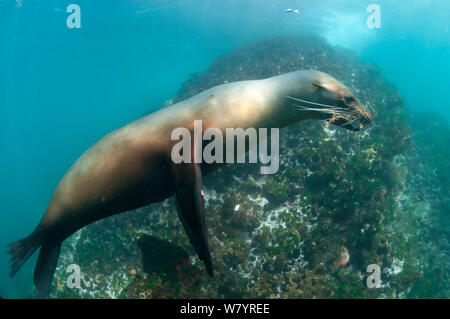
[
  {"x": 354, "y": 124},
  {"x": 353, "y": 119}
]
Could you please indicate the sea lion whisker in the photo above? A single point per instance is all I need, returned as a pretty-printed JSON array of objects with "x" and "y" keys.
[
  {"x": 309, "y": 102},
  {"x": 328, "y": 109},
  {"x": 313, "y": 109},
  {"x": 320, "y": 110},
  {"x": 326, "y": 106},
  {"x": 304, "y": 108},
  {"x": 324, "y": 109}
]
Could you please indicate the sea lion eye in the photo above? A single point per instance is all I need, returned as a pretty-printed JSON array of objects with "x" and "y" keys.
[{"x": 349, "y": 100}]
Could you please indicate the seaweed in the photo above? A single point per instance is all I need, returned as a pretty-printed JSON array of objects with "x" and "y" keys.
[{"x": 281, "y": 236}]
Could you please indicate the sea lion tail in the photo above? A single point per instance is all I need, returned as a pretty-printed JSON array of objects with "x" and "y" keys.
[{"x": 45, "y": 268}]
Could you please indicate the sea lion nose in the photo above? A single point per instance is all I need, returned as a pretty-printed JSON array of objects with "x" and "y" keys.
[
  {"x": 366, "y": 116},
  {"x": 366, "y": 119}
]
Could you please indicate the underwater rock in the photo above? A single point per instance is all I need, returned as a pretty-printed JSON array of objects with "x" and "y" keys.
[{"x": 283, "y": 235}]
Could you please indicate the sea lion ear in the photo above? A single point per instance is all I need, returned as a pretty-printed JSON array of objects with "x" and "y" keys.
[{"x": 318, "y": 85}]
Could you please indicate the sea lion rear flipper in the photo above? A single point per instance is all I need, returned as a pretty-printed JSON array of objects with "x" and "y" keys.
[
  {"x": 22, "y": 250},
  {"x": 45, "y": 268},
  {"x": 187, "y": 179}
]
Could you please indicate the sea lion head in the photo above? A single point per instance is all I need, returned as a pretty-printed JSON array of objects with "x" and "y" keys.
[{"x": 323, "y": 97}]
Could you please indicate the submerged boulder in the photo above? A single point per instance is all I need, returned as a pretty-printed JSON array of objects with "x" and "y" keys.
[{"x": 280, "y": 235}]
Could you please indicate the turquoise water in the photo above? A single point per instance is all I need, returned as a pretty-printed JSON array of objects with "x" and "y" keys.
[{"x": 62, "y": 89}]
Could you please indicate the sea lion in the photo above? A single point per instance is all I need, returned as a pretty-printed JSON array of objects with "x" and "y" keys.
[{"x": 131, "y": 167}]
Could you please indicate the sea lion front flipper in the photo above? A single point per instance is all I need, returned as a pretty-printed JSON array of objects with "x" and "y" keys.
[{"x": 187, "y": 178}]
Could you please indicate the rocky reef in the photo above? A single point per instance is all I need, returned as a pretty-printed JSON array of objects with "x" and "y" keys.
[{"x": 340, "y": 202}]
